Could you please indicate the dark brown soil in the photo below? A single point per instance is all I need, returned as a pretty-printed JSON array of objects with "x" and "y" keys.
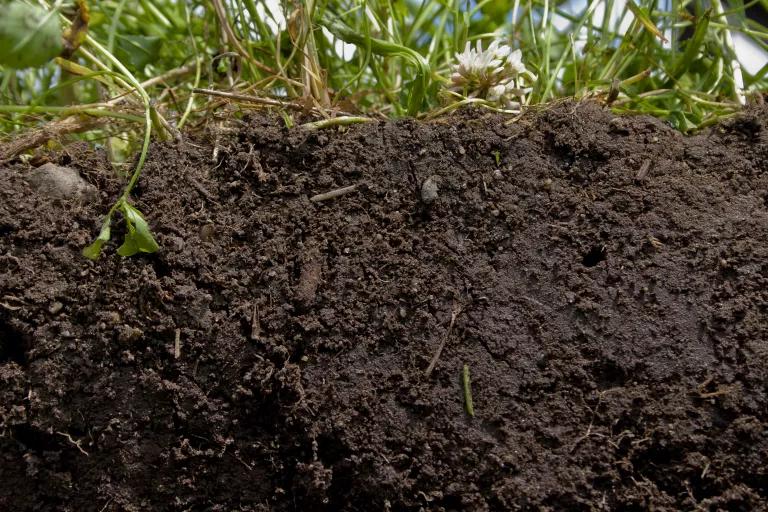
[{"x": 608, "y": 289}]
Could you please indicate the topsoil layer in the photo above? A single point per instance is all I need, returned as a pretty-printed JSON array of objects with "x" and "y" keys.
[{"x": 606, "y": 288}]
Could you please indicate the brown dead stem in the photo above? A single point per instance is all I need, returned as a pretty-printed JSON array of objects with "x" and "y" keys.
[{"x": 455, "y": 312}]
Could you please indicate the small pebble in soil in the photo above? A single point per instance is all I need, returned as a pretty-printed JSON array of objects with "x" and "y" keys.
[
  {"x": 207, "y": 233},
  {"x": 618, "y": 125},
  {"x": 126, "y": 333},
  {"x": 60, "y": 182},
  {"x": 497, "y": 174},
  {"x": 429, "y": 190},
  {"x": 55, "y": 307}
]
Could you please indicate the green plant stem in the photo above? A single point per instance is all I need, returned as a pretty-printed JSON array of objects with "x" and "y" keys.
[
  {"x": 147, "y": 116},
  {"x": 738, "y": 78},
  {"x": 381, "y": 47},
  {"x": 191, "y": 100},
  {"x": 113, "y": 26}
]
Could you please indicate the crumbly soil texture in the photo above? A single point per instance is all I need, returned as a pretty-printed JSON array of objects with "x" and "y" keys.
[{"x": 603, "y": 280}]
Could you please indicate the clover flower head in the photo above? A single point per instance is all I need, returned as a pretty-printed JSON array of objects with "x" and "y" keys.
[{"x": 493, "y": 74}]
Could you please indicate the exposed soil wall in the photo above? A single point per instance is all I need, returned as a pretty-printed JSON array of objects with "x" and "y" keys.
[{"x": 606, "y": 287}]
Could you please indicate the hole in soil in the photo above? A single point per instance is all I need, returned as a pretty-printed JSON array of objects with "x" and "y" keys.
[
  {"x": 35, "y": 439},
  {"x": 595, "y": 255},
  {"x": 12, "y": 346},
  {"x": 330, "y": 451},
  {"x": 161, "y": 268},
  {"x": 608, "y": 374}
]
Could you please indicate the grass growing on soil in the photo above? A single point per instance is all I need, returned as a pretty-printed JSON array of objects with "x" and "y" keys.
[{"x": 133, "y": 70}]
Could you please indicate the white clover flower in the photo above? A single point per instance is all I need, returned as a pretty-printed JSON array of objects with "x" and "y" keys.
[
  {"x": 515, "y": 62},
  {"x": 494, "y": 74}
]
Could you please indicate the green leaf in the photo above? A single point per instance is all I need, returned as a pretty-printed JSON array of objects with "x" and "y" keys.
[
  {"x": 681, "y": 122},
  {"x": 138, "y": 51},
  {"x": 645, "y": 20},
  {"x": 129, "y": 247},
  {"x": 415, "y": 92},
  {"x": 139, "y": 237},
  {"x": 417, "y": 88},
  {"x": 93, "y": 251}
]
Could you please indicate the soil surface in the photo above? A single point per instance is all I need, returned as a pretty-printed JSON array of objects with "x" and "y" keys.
[{"x": 605, "y": 283}]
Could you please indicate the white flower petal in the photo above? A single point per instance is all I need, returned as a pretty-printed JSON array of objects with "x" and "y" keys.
[
  {"x": 495, "y": 93},
  {"x": 492, "y": 73},
  {"x": 502, "y": 51}
]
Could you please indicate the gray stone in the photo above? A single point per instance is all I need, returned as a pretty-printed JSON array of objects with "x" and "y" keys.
[
  {"x": 59, "y": 182},
  {"x": 429, "y": 190}
]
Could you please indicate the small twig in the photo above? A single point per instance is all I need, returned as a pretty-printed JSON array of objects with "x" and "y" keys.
[
  {"x": 255, "y": 324},
  {"x": 9, "y": 307},
  {"x": 655, "y": 242},
  {"x": 11, "y": 298},
  {"x": 467, "y": 385},
  {"x": 333, "y": 193},
  {"x": 593, "y": 410},
  {"x": 336, "y": 121},
  {"x": 250, "y": 98},
  {"x": 76, "y": 443},
  {"x": 39, "y": 136},
  {"x": 109, "y": 502},
  {"x": 177, "y": 344},
  {"x": 719, "y": 392},
  {"x": 173, "y": 73},
  {"x": 643, "y": 172},
  {"x": 241, "y": 461},
  {"x": 271, "y": 102},
  {"x": 454, "y": 313}
]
